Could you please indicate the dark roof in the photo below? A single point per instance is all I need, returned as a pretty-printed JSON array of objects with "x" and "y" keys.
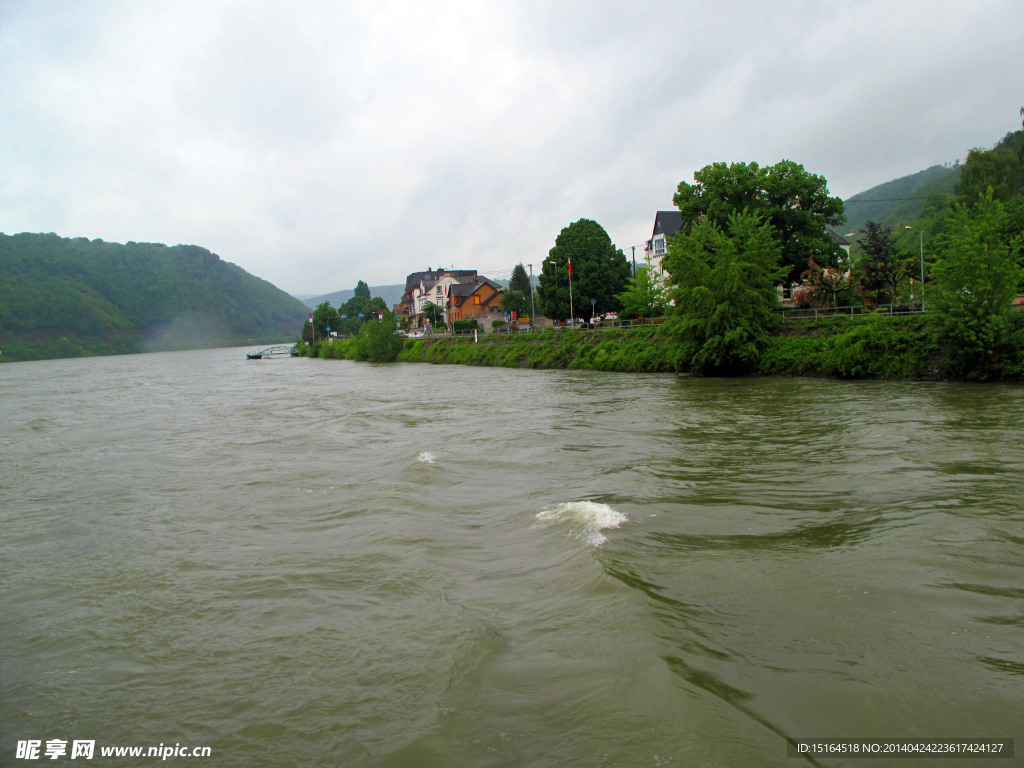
[
  {"x": 416, "y": 278},
  {"x": 836, "y": 237},
  {"x": 431, "y": 276},
  {"x": 463, "y": 289},
  {"x": 667, "y": 223},
  {"x": 468, "y": 288}
]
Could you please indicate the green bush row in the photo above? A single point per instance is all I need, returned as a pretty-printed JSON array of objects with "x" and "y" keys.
[
  {"x": 880, "y": 347},
  {"x": 871, "y": 347},
  {"x": 874, "y": 347}
]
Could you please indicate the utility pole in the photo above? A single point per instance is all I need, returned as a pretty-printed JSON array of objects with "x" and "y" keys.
[{"x": 634, "y": 261}]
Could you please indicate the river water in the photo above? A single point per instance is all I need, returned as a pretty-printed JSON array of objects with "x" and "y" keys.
[{"x": 328, "y": 563}]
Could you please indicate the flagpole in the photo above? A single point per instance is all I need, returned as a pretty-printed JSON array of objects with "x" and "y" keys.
[{"x": 572, "y": 322}]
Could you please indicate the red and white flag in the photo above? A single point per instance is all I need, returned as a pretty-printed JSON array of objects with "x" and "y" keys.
[
  {"x": 570, "y": 267},
  {"x": 310, "y": 318}
]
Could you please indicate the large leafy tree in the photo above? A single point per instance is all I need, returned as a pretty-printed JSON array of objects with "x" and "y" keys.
[
  {"x": 1001, "y": 168},
  {"x": 796, "y": 203},
  {"x": 358, "y": 310},
  {"x": 599, "y": 271},
  {"x": 362, "y": 289},
  {"x": 645, "y": 296},
  {"x": 725, "y": 293},
  {"x": 324, "y": 316},
  {"x": 976, "y": 279},
  {"x": 514, "y": 301}
]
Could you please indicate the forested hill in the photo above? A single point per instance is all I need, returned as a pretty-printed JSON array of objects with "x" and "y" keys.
[
  {"x": 62, "y": 297},
  {"x": 901, "y": 201}
]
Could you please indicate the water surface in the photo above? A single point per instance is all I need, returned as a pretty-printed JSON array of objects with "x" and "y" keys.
[{"x": 306, "y": 562}]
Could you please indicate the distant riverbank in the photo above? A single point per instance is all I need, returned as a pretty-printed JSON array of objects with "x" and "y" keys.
[{"x": 872, "y": 347}]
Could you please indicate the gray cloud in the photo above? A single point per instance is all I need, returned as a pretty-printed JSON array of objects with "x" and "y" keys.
[{"x": 320, "y": 143}]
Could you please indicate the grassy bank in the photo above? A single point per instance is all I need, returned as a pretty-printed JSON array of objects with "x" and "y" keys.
[
  {"x": 867, "y": 347},
  {"x": 645, "y": 349},
  {"x": 642, "y": 349}
]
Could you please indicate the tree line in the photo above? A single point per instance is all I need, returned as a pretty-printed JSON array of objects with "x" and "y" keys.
[
  {"x": 348, "y": 319},
  {"x": 749, "y": 230}
]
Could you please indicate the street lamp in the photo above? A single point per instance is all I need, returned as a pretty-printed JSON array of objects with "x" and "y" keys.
[{"x": 921, "y": 233}]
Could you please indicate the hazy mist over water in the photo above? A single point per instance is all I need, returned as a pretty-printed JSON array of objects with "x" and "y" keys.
[{"x": 320, "y": 563}]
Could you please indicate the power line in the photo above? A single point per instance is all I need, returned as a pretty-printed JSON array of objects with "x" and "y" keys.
[
  {"x": 884, "y": 200},
  {"x": 893, "y": 199}
]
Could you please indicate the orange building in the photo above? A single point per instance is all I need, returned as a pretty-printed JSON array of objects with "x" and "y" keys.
[{"x": 476, "y": 299}]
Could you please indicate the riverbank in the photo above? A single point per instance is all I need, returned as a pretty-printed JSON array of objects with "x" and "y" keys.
[{"x": 871, "y": 347}]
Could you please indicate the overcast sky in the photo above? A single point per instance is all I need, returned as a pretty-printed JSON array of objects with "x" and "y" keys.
[{"x": 319, "y": 142}]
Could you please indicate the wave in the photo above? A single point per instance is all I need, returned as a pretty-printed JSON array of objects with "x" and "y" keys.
[
  {"x": 426, "y": 457},
  {"x": 586, "y": 519}
]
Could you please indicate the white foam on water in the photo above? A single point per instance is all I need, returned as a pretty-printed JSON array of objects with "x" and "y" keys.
[
  {"x": 585, "y": 518},
  {"x": 426, "y": 457}
]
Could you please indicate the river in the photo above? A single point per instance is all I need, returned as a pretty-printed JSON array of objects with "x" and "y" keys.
[{"x": 326, "y": 563}]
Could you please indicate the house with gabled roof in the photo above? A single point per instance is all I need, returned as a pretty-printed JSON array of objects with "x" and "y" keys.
[
  {"x": 460, "y": 293},
  {"x": 476, "y": 299},
  {"x": 666, "y": 224},
  {"x": 839, "y": 240}
]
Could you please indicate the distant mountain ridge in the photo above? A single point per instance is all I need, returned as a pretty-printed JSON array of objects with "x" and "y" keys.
[
  {"x": 392, "y": 294},
  {"x": 63, "y": 297}
]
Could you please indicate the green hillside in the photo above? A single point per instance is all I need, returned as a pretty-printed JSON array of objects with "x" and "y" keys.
[
  {"x": 62, "y": 297},
  {"x": 899, "y": 202}
]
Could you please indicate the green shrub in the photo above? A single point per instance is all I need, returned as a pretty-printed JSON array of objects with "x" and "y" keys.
[
  {"x": 877, "y": 346},
  {"x": 792, "y": 356},
  {"x": 377, "y": 342},
  {"x": 1010, "y": 358}
]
